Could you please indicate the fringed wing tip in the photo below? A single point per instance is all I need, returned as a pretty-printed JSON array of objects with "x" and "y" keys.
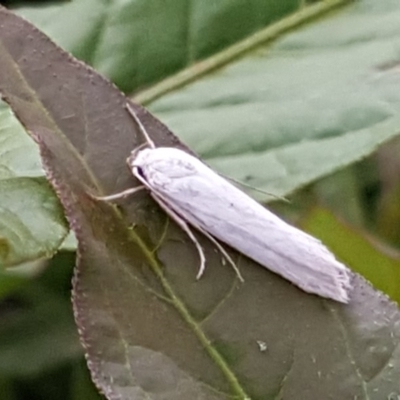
[{"x": 343, "y": 286}]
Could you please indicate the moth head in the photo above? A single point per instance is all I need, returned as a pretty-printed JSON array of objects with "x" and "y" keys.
[
  {"x": 133, "y": 156},
  {"x": 137, "y": 162}
]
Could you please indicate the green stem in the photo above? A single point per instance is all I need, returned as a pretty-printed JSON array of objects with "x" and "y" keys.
[
  {"x": 237, "y": 50},
  {"x": 237, "y": 389}
]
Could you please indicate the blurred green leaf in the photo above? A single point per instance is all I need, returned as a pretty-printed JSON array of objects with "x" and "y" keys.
[
  {"x": 6, "y": 390},
  {"x": 289, "y": 113},
  {"x": 362, "y": 253},
  {"x": 388, "y": 209},
  {"x": 126, "y": 40},
  {"x": 69, "y": 243},
  {"x": 389, "y": 216},
  {"x": 9, "y": 283},
  {"x": 342, "y": 187},
  {"x": 32, "y": 224},
  {"x": 82, "y": 387},
  {"x": 36, "y": 333},
  {"x": 19, "y": 156}
]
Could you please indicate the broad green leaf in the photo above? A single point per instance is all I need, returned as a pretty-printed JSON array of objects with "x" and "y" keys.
[
  {"x": 289, "y": 113},
  {"x": 32, "y": 224},
  {"x": 127, "y": 40},
  {"x": 19, "y": 156},
  {"x": 150, "y": 330}
]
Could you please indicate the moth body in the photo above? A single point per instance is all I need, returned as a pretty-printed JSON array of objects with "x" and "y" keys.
[{"x": 194, "y": 193}]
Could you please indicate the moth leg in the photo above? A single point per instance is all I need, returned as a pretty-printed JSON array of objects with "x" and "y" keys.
[
  {"x": 185, "y": 227},
  {"x": 223, "y": 252},
  {"x": 120, "y": 195},
  {"x": 136, "y": 149}
]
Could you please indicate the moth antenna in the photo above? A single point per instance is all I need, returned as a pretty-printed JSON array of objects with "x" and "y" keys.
[
  {"x": 282, "y": 198},
  {"x": 141, "y": 127}
]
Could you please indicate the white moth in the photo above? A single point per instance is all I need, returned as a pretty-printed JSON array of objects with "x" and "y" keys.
[{"x": 195, "y": 196}]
